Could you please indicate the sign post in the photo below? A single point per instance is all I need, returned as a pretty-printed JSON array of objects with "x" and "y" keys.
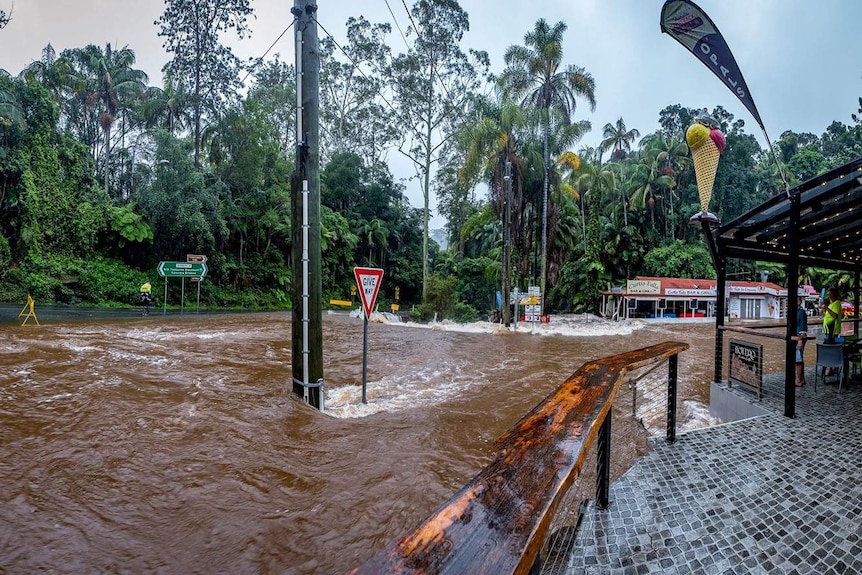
[
  {"x": 182, "y": 269},
  {"x": 199, "y": 258},
  {"x": 190, "y": 269},
  {"x": 368, "y": 281}
]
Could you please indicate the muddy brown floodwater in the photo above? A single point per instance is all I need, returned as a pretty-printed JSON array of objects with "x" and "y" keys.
[{"x": 173, "y": 444}]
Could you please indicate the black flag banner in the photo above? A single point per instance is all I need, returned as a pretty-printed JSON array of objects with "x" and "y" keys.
[{"x": 689, "y": 25}]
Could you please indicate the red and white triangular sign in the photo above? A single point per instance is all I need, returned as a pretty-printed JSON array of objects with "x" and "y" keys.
[{"x": 368, "y": 281}]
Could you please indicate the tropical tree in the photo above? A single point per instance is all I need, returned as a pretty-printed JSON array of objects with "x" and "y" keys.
[
  {"x": 114, "y": 81},
  {"x": 647, "y": 180},
  {"x": 491, "y": 154},
  {"x": 185, "y": 210},
  {"x": 10, "y": 110},
  {"x": 619, "y": 138},
  {"x": 166, "y": 107},
  {"x": 432, "y": 84},
  {"x": 671, "y": 158},
  {"x": 275, "y": 89},
  {"x": 533, "y": 73},
  {"x": 376, "y": 235},
  {"x": 592, "y": 186},
  {"x": 680, "y": 260},
  {"x": 192, "y": 32},
  {"x": 53, "y": 73},
  {"x": 354, "y": 116}
]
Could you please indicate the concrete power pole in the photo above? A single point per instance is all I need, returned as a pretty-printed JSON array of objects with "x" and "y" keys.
[
  {"x": 507, "y": 240},
  {"x": 307, "y": 348}
]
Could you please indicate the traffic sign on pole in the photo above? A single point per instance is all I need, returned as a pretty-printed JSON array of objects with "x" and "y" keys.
[
  {"x": 202, "y": 259},
  {"x": 182, "y": 269},
  {"x": 368, "y": 280}
]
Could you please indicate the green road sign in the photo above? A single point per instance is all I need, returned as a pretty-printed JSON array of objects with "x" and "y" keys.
[{"x": 182, "y": 269}]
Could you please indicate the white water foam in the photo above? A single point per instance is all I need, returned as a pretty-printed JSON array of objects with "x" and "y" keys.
[
  {"x": 54, "y": 398},
  {"x": 159, "y": 335},
  {"x": 131, "y": 358},
  {"x": 562, "y": 325},
  {"x": 400, "y": 391},
  {"x": 77, "y": 348},
  {"x": 377, "y": 316}
]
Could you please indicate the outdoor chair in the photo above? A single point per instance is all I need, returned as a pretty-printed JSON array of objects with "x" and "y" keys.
[
  {"x": 853, "y": 353},
  {"x": 829, "y": 356}
]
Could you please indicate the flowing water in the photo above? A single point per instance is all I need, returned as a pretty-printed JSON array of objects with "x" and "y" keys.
[{"x": 173, "y": 444}]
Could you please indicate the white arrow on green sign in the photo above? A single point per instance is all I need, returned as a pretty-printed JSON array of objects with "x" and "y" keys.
[{"x": 182, "y": 269}]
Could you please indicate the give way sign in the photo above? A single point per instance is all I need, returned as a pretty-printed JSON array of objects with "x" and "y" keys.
[{"x": 368, "y": 281}]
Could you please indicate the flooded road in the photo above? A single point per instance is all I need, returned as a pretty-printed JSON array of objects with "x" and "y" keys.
[{"x": 173, "y": 444}]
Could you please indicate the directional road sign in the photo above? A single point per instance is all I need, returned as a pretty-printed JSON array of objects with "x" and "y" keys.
[
  {"x": 196, "y": 258},
  {"x": 182, "y": 269},
  {"x": 368, "y": 280}
]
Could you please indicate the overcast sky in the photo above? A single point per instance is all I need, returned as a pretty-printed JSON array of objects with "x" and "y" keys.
[{"x": 802, "y": 59}]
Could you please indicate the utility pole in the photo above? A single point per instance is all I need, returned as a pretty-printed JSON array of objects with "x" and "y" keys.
[
  {"x": 307, "y": 332},
  {"x": 507, "y": 239}
]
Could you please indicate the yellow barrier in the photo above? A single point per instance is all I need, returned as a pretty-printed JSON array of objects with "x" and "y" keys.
[
  {"x": 32, "y": 313},
  {"x": 340, "y": 302}
]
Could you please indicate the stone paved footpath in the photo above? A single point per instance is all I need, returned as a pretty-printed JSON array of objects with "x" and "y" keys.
[{"x": 766, "y": 495}]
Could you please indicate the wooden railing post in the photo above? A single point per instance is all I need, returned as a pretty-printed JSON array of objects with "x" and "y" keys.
[
  {"x": 672, "y": 371},
  {"x": 603, "y": 463}
]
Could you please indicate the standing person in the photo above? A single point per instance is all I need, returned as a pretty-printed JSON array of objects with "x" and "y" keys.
[
  {"x": 832, "y": 317},
  {"x": 802, "y": 332},
  {"x": 146, "y": 298}
]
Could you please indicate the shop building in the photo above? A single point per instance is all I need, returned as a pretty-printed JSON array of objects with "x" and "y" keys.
[{"x": 655, "y": 297}]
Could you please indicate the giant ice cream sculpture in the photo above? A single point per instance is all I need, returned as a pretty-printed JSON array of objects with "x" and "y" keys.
[{"x": 707, "y": 143}]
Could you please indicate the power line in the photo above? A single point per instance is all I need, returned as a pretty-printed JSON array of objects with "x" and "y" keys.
[
  {"x": 409, "y": 15},
  {"x": 268, "y": 49},
  {"x": 395, "y": 20},
  {"x": 355, "y": 64},
  {"x": 459, "y": 112}
]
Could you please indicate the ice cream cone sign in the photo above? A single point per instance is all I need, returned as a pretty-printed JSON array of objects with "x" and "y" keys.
[{"x": 707, "y": 143}]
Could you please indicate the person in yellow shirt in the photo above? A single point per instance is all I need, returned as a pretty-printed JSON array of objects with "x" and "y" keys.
[
  {"x": 146, "y": 299},
  {"x": 832, "y": 317}
]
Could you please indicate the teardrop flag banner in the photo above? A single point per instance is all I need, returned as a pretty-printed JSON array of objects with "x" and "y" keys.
[{"x": 689, "y": 25}]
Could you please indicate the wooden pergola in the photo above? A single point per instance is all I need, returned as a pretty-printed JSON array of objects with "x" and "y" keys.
[{"x": 817, "y": 223}]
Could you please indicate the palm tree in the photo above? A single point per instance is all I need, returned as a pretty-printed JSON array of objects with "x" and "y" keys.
[
  {"x": 593, "y": 184},
  {"x": 167, "y": 107},
  {"x": 647, "y": 179},
  {"x": 376, "y": 234},
  {"x": 112, "y": 79},
  {"x": 617, "y": 138},
  {"x": 10, "y": 109},
  {"x": 532, "y": 73},
  {"x": 673, "y": 156},
  {"x": 491, "y": 153},
  {"x": 53, "y": 73}
]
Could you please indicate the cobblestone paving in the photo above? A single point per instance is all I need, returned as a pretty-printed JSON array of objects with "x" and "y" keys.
[{"x": 767, "y": 495}]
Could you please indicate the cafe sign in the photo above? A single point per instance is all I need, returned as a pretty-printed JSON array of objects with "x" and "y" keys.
[
  {"x": 643, "y": 287},
  {"x": 689, "y": 292},
  {"x": 746, "y": 365}
]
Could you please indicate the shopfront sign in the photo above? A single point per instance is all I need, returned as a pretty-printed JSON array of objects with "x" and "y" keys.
[
  {"x": 746, "y": 365},
  {"x": 643, "y": 287},
  {"x": 688, "y": 292}
]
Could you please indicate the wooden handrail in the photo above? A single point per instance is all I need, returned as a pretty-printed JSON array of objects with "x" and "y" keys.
[
  {"x": 496, "y": 524},
  {"x": 758, "y": 333}
]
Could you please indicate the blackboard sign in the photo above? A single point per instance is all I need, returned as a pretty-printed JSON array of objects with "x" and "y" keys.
[{"x": 746, "y": 365}]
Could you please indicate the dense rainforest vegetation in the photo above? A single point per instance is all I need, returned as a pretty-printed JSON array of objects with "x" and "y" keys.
[{"x": 103, "y": 174}]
